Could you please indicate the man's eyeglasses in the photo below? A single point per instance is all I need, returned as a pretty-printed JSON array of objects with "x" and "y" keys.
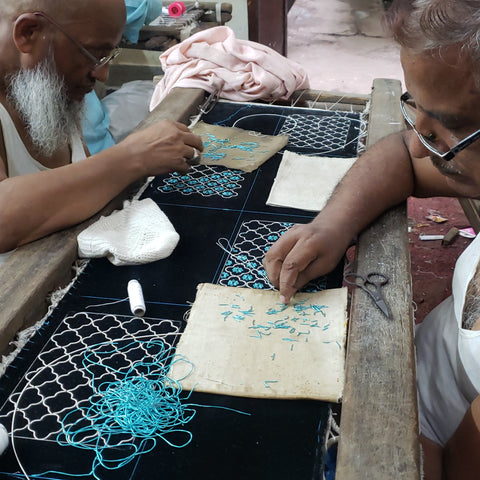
[
  {"x": 410, "y": 112},
  {"x": 97, "y": 62}
]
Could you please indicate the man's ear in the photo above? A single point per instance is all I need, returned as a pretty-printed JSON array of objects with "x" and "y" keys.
[{"x": 27, "y": 29}]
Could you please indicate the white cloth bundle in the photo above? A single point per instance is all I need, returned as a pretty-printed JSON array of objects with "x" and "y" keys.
[{"x": 139, "y": 233}]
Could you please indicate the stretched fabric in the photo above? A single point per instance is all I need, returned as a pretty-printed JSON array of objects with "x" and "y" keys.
[{"x": 215, "y": 59}]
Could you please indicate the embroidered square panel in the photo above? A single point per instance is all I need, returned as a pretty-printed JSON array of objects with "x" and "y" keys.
[{"x": 243, "y": 342}]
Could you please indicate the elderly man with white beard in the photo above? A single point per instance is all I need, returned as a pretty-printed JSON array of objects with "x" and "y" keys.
[{"x": 53, "y": 52}]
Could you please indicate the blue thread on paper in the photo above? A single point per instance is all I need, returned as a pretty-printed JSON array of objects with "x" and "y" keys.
[
  {"x": 268, "y": 382},
  {"x": 215, "y": 149}
]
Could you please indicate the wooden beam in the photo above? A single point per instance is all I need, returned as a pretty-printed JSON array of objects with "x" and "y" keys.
[
  {"x": 179, "y": 105},
  {"x": 267, "y": 23},
  {"x": 379, "y": 421},
  {"x": 320, "y": 96},
  {"x": 345, "y": 102},
  {"x": 33, "y": 271},
  {"x": 224, "y": 7},
  {"x": 471, "y": 208}
]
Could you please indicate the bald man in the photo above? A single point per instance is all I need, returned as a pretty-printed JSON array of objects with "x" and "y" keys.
[{"x": 53, "y": 52}]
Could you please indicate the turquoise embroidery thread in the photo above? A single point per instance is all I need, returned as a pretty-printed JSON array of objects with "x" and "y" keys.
[
  {"x": 287, "y": 323},
  {"x": 126, "y": 417},
  {"x": 218, "y": 148}
]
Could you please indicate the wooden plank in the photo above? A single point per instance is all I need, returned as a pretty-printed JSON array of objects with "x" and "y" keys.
[
  {"x": 267, "y": 23},
  {"x": 211, "y": 17},
  {"x": 338, "y": 107},
  {"x": 379, "y": 421},
  {"x": 33, "y": 271},
  {"x": 224, "y": 7},
  {"x": 346, "y": 102},
  {"x": 179, "y": 105},
  {"x": 471, "y": 208},
  {"x": 319, "y": 96}
]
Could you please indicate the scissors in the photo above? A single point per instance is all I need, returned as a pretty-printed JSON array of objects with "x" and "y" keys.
[{"x": 372, "y": 283}]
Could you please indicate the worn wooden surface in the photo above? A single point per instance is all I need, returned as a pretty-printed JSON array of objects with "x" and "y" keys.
[
  {"x": 224, "y": 7},
  {"x": 267, "y": 23},
  {"x": 379, "y": 425},
  {"x": 35, "y": 270},
  {"x": 471, "y": 207},
  {"x": 338, "y": 98},
  {"x": 339, "y": 101}
]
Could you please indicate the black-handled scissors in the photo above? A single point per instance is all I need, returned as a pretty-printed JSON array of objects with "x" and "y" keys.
[{"x": 372, "y": 283}]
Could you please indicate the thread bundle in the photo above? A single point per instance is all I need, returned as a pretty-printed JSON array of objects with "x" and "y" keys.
[{"x": 126, "y": 417}]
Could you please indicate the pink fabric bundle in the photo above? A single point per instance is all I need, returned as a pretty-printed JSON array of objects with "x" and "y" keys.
[{"x": 244, "y": 71}]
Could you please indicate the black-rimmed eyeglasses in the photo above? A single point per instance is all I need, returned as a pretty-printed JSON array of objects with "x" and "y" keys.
[
  {"x": 96, "y": 62},
  {"x": 410, "y": 112}
]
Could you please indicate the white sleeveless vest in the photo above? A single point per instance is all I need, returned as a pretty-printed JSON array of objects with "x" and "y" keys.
[
  {"x": 448, "y": 357},
  {"x": 19, "y": 160}
]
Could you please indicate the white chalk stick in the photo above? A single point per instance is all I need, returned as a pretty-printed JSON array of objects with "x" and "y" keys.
[{"x": 430, "y": 237}]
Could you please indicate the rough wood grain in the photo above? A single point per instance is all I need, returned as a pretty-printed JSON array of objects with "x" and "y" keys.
[
  {"x": 35, "y": 270},
  {"x": 320, "y": 96},
  {"x": 471, "y": 207},
  {"x": 267, "y": 23},
  {"x": 224, "y": 7},
  {"x": 379, "y": 425}
]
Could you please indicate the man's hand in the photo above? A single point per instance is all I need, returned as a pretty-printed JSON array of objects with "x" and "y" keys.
[
  {"x": 164, "y": 147},
  {"x": 303, "y": 253}
]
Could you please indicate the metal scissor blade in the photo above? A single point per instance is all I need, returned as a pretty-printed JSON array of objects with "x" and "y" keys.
[{"x": 383, "y": 307}]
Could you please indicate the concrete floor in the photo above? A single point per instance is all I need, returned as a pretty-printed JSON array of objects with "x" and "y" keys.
[
  {"x": 341, "y": 44},
  {"x": 343, "y": 47}
]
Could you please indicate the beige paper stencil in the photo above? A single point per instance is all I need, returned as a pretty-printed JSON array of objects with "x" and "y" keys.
[
  {"x": 307, "y": 182},
  {"x": 244, "y": 342},
  {"x": 236, "y": 148}
]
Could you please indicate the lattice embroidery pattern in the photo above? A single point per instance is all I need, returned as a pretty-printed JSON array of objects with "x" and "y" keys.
[
  {"x": 243, "y": 267},
  {"x": 318, "y": 133},
  {"x": 59, "y": 383},
  {"x": 205, "y": 180}
]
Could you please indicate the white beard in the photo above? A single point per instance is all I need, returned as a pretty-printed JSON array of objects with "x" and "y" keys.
[{"x": 39, "y": 96}]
